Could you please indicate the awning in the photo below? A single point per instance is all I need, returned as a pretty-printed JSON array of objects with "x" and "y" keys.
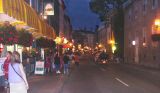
[{"x": 20, "y": 14}]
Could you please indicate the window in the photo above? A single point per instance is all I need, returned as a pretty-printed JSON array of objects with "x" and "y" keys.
[
  {"x": 129, "y": 14},
  {"x": 154, "y": 4},
  {"x": 144, "y": 6}
]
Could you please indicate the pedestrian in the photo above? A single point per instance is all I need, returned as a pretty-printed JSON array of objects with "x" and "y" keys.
[
  {"x": 57, "y": 63},
  {"x": 4, "y": 78},
  {"x": 16, "y": 75},
  {"x": 52, "y": 62},
  {"x": 48, "y": 64},
  {"x": 6, "y": 64},
  {"x": 76, "y": 59},
  {"x": 66, "y": 63}
]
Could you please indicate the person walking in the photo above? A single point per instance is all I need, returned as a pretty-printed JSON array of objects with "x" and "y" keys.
[
  {"x": 57, "y": 63},
  {"x": 66, "y": 63},
  {"x": 48, "y": 64},
  {"x": 6, "y": 64},
  {"x": 76, "y": 59},
  {"x": 16, "y": 75},
  {"x": 4, "y": 76}
]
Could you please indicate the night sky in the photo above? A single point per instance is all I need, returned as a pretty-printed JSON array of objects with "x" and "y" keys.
[{"x": 81, "y": 15}]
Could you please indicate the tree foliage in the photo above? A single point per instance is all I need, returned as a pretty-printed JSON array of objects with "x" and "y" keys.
[
  {"x": 102, "y": 7},
  {"x": 25, "y": 38}
]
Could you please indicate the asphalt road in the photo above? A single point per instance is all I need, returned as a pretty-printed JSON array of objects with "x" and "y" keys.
[{"x": 92, "y": 78}]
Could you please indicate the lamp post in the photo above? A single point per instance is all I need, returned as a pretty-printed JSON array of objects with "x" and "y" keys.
[{"x": 113, "y": 46}]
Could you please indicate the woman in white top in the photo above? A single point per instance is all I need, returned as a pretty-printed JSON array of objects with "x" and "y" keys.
[{"x": 16, "y": 75}]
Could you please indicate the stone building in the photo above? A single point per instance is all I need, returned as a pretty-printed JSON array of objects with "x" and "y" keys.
[
  {"x": 84, "y": 37},
  {"x": 106, "y": 37},
  {"x": 139, "y": 48},
  {"x": 67, "y": 28}
]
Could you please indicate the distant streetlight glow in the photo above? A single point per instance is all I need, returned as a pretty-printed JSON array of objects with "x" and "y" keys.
[
  {"x": 144, "y": 44},
  {"x": 113, "y": 48},
  {"x": 65, "y": 41},
  {"x": 58, "y": 40},
  {"x": 45, "y": 17},
  {"x": 100, "y": 45}
]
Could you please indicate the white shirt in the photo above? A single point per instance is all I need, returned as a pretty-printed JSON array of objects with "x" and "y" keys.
[{"x": 13, "y": 77}]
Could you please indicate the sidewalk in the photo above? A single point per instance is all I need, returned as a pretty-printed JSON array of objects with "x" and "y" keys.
[
  {"x": 139, "y": 68},
  {"x": 48, "y": 83}
]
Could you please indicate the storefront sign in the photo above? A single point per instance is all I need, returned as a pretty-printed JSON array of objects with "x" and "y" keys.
[
  {"x": 1, "y": 65},
  {"x": 39, "y": 67},
  {"x": 49, "y": 9}
]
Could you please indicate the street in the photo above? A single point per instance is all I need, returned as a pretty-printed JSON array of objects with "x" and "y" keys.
[{"x": 92, "y": 78}]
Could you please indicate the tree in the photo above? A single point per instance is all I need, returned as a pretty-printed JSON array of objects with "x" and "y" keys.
[{"x": 102, "y": 8}]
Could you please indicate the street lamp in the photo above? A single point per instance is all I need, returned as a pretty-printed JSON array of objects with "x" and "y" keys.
[
  {"x": 156, "y": 30},
  {"x": 112, "y": 42},
  {"x": 65, "y": 41},
  {"x": 157, "y": 22},
  {"x": 134, "y": 43},
  {"x": 45, "y": 17},
  {"x": 58, "y": 40},
  {"x": 100, "y": 45}
]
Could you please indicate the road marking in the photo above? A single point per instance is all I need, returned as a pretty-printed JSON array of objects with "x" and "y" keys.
[
  {"x": 122, "y": 82},
  {"x": 103, "y": 69}
]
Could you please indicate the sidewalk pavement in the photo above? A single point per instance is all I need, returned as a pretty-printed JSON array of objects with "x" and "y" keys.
[
  {"x": 143, "y": 69},
  {"x": 48, "y": 83}
]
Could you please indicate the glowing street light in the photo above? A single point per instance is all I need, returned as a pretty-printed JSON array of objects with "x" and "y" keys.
[
  {"x": 112, "y": 42},
  {"x": 113, "y": 48},
  {"x": 70, "y": 44},
  {"x": 100, "y": 45},
  {"x": 45, "y": 17},
  {"x": 157, "y": 22},
  {"x": 134, "y": 43},
  {"x": 58, "y": 40},
  {"x": 65, "y": 41}
]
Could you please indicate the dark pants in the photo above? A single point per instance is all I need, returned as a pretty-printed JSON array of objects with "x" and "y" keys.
[
  {"x": 2, "y": 84},
  {"x": 77, "y": 63},
  {"x": 2, "y": 81}
]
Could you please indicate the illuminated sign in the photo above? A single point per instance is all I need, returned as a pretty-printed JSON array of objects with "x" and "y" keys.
[{"x": 49, "y": 9}]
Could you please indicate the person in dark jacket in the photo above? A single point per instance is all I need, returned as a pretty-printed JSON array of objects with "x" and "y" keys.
[
  {"x": 57, "y": 63},
  {"x": 103, "y": 56},
  {"x": 66, "y": 63}
]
